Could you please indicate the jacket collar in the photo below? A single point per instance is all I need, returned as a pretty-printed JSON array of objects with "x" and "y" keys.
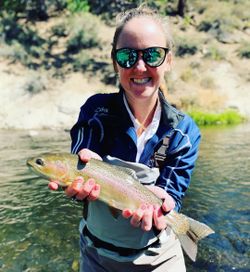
[{"x": 170, "y": 115}]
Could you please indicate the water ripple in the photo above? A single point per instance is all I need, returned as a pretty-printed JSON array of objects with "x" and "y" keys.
[{"x": 39, "y": 228}]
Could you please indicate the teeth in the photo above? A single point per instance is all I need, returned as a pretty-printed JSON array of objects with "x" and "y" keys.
[{"x": 141, "y": 80}]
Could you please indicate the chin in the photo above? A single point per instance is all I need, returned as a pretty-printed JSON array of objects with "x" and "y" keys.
[{"x": 144, "y": 92}]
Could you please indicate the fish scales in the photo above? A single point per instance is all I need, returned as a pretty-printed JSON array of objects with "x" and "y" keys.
[{"x": 119, "y": 186}]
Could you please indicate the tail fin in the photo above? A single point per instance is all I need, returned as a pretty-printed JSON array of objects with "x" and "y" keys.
[{"x": 189, "y": 232}]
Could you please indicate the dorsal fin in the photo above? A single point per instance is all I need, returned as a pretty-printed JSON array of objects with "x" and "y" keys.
[{"x": 129, "y": 171}]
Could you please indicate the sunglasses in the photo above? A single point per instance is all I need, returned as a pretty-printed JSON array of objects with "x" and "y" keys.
[{"x": 152, "y": 56}]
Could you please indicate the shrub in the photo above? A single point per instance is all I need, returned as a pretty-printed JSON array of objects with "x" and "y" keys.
[
  {"x": 228, "y": 117},
  {"x": 185, "y": 47},
  {"x": 187, "y": 75},
  {"x": 82, "y": 62},
  {"x": 244, "y": 51},
  {"x": 208, "y": 83},
  {"x": 35, "y": 84},
  {"x": 214, "y": 53},
  {"x": 59, "y": 30},
  {"x": 77, "y": 5},
  {"x": 9, "y": 28},
  {"x": 83, "y": 33}
]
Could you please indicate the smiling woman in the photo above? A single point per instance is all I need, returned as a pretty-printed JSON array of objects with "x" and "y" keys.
[
  {"x": 139, "y": 127},
  {"x": 141, "y": 57}
]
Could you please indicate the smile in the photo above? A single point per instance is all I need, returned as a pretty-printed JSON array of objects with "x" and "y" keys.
[{"x": 141, "y": 80}]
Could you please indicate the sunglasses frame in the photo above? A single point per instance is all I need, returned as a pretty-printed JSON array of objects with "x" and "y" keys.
[{"x": 137, "y": 51}]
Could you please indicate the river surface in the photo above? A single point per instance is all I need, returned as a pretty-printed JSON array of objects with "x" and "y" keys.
[{"x": 39, "y": 228}]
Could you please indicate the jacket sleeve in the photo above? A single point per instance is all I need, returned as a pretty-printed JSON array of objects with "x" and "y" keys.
[
  {"x": 181, "y": 156},
  {"x": 88, "y": 130}
]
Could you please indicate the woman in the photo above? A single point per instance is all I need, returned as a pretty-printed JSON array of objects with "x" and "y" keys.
[{"x": 141, "y": 130}]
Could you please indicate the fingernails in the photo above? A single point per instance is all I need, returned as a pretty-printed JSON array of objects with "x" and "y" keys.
[
  {"x": 79, "y": 179},
  {"x": 126, "y": 213},
  {"x": 91, "y": 182},
  {"x": 76, "y": 185},
  {"x": 156, "y": 207},
  {"x": 53, "y": 185}
]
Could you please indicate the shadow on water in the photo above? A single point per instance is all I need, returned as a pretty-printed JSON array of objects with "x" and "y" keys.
[{"x": 39, "y": 228}]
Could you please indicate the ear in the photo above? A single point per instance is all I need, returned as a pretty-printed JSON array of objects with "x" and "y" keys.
[
  {"x": 114, "y": 62},
  {"x": 115, "y": 65},
  {"x": 169, "y": 61}
]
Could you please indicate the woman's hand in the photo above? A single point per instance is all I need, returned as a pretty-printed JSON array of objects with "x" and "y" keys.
[
  {"x": 79, "y": 188},
  {"x": 147, "y": 215}
]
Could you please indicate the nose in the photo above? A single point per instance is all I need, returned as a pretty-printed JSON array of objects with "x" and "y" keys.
[{"x": 140, "y": 64}]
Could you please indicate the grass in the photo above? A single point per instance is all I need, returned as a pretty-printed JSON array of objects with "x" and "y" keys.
[{"x": 228, "y": 117}]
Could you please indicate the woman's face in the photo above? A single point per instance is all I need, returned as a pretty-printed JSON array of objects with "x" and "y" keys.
[{"x": 142, "y": 81}]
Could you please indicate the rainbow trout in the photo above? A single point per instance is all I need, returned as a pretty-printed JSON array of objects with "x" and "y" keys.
[{"x": 120, "y": 189}]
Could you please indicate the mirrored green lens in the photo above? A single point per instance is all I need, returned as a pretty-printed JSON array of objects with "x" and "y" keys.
[
  {"x": 154, "y": 56},
  {"x": 126, "y": 57}
]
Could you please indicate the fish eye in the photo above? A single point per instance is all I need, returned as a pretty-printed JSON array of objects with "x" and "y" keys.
[{"x": 40, "y": 162}]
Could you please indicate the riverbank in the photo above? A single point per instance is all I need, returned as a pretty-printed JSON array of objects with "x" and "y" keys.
[
  {"x": 208, "y": 75},
  {"x": 57, "y": 105}
]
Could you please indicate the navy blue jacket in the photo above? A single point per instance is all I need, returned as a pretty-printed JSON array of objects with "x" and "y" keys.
[{"x": 104, "y": 126}]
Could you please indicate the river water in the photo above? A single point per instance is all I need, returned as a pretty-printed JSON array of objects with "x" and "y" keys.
[{"x": 39, "y": 228}]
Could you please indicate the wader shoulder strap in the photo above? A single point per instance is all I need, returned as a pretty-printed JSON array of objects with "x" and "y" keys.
[{"x": 161, "y": 154}]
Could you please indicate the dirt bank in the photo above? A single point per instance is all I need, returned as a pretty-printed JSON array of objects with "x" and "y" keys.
[{"x": 57, "y": 106}]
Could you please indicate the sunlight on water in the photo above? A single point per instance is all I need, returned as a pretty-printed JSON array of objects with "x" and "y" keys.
[
  {"x": 219, "y": 196},
  {"x": 39, "y": 228}
]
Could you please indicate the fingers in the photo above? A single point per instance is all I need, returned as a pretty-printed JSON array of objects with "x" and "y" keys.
[
  {"x": 142, "y": 217},
  {"x": 82, "y": 190},
  {"x": 86, "y": 154},
  {"x": 146, "y": 216},
  {"x": 95, "y": 192},
  {"x": 168, "y": 203},
  {"x": 147, "y": 221},
  {"x": 159, "y": 218},
  {"x": 138, "y": 216},
  {"x": 127, "y": 213},
  {"x": 74, "y": 188},
  {"x": 53, "y": 185}
]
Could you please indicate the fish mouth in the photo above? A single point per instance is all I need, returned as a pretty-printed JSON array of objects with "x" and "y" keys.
[
  {"x": 34, "y": 167},
  {"x": 30, "y": 164}
]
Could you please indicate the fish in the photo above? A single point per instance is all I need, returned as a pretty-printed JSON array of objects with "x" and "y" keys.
[{"x": 120, "y": 189}]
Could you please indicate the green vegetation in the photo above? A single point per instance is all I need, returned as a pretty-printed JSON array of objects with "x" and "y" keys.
[
  {"x": 80, "y": 28},
  {"x": 185, "y": 47},
  {"x": 244, "y": 51},
  {"x": 73, "y": 40},
  {"x": 83, "y": 33},
  {"x": 35, "y": 84},
  {"x": 78, "y": 5},
  {"x": 214, "y": 53},
  {"x": 228, "y": 117},
  {"x": 23, "y": 42}
]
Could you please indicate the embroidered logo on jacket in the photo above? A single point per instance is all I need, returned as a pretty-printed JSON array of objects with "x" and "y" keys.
[{"x": 101, "y": 110}]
